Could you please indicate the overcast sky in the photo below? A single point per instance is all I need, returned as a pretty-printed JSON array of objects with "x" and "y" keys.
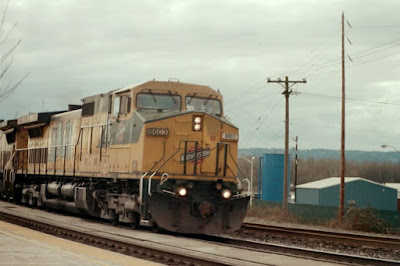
[{"x": 74, "y": 49}]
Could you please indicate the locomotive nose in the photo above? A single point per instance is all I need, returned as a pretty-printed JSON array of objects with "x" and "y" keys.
[{"x": 206, "y": 209}]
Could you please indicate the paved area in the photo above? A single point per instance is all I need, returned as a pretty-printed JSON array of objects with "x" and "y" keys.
[{"x": 22, "y": 246}]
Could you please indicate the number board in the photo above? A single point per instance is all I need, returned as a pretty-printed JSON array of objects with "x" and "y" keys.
[
  {"x": 229, "y": 136},
  {"x": 157, "y": 132}
]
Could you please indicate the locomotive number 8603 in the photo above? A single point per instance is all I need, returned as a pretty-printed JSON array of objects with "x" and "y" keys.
[{"x": 159, "y": 154}]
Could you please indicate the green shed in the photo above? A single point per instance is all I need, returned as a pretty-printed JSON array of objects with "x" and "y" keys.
[{"x": 359, "y": 192}]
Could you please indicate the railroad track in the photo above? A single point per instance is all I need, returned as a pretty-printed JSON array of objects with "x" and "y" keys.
[
  {"x": 343, "y": 238},
  {"x": 151, "y": 251},
  {"x": 323, "y": 256}
]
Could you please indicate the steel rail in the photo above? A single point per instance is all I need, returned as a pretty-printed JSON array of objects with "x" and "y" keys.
[
  {"x": 339, "y": 237},
  {"x": 318, "y": 255}
]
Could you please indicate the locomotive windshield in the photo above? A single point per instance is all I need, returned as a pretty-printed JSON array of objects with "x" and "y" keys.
[
  {"x": 207, "y": 105},
  {"x": 158, "y": 101}
]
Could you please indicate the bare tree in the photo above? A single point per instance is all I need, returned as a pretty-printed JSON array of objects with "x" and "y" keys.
[
  {"x": 7, "y": 87},
  {"x": 312, "y": 169}
]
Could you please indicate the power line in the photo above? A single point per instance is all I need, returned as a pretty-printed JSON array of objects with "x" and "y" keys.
[
  {"x": 259, "y": 122},
  {"x": 380, "y": 45},
  {"x": 328, "y": 97},
  {"x": 334, "y": 62},
  {"x": 377, "y": 27},
  {"x": 249, "y": 102},
  {"x": 239, "y": 96},
  {"x": 314, "y": 70}
]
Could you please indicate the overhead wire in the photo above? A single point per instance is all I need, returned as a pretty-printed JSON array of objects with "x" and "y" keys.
[
  {"x": 312, "y": 71},
  {"x": 245, "y": 91},
  {"x": 317, "y": 70},
  {"x": 337, "y": 98},
  {"x": 354, "y": 64},
  {"x": 377, "y": 26},
  {"x": 333, "y": 62},
  {"x": 251, "y": 89},
  {"x": 258, "y": 121},
  {"x": 248, "y": 102}
]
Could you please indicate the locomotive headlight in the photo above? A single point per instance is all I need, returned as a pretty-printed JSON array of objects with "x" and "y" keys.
[
  {"x": 226, "y": 193},
  {"x": 197, "y": 121},
  {"x": 182, "y": 191}
]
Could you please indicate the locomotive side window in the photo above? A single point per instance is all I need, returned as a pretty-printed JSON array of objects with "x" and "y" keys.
[
  {"x": 125, "y": 106},
  {"x": 116, "y": 106},
  {"x": 122, "y": 105},
  {"x": 158, "y": 101},
  {"x": 208, "y": 105}
]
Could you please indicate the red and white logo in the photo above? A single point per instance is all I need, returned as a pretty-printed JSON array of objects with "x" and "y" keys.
[
  {"x": 120, "y": 132},
  {"x": 191, "y": 154}
]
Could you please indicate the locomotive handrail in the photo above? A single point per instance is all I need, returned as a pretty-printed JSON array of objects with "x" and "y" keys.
[
  {"x": 149, "y": 185},
  {"x": 141, "y": 185},
  {"x": 43, "y": 147},
  {"x": 179, "y": 147},
  {"x": 160, "y": 159},
  {"x": 161, "y": 182},
  {"x": 248, "y": 184},
  {"x": 9, "y": 160},
  {"x": 100, "y": 125},
  {"x": 237, "y": 166},
  {"x": 164, "y": 178}
]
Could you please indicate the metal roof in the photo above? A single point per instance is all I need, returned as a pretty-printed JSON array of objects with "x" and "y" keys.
[
  {"x": 393, "y": 185},
  {"x": 333, "y": 181}
]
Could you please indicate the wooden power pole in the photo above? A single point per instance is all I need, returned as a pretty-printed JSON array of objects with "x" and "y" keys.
[
  {"x": 342, "y": 153},
  {"x": 295, "y": 168},
  {"x": 286, "y": 93}
]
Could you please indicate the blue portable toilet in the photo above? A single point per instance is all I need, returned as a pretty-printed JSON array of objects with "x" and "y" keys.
[{"x": 271, "y": 177}]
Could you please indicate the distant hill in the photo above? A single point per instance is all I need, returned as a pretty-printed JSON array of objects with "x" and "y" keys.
[{"x": 359, "y": 156}]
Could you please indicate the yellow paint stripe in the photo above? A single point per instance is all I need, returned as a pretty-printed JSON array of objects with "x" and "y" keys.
[{"x": 78, "y": 250}]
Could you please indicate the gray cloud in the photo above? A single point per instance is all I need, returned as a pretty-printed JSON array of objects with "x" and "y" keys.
[{"x": 75, "y": 49}]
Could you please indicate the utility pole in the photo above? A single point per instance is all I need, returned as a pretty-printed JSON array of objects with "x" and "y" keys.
[
  {"x": 286, "y": 93},
  {"x": 342, "y": 153},
  {"x": 295, "y": 169}
]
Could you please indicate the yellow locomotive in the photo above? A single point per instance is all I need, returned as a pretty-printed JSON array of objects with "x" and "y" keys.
[{"x": 159, "y": 154}]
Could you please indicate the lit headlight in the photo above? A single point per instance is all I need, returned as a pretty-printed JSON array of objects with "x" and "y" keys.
[
  {"x": 182, "y": 191},
  {"x": 226, "y": 193},
  {"x": 197, "y": 121}
]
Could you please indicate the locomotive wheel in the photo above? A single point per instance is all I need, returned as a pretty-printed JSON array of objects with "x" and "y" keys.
[
  {"x": 2, "y": 196},
  {"x": 156, "y": 229},
  {"x": 17, "y": 193},
  {"x": 34, "y": 202},
  {"x": 136, "y": 221}
]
